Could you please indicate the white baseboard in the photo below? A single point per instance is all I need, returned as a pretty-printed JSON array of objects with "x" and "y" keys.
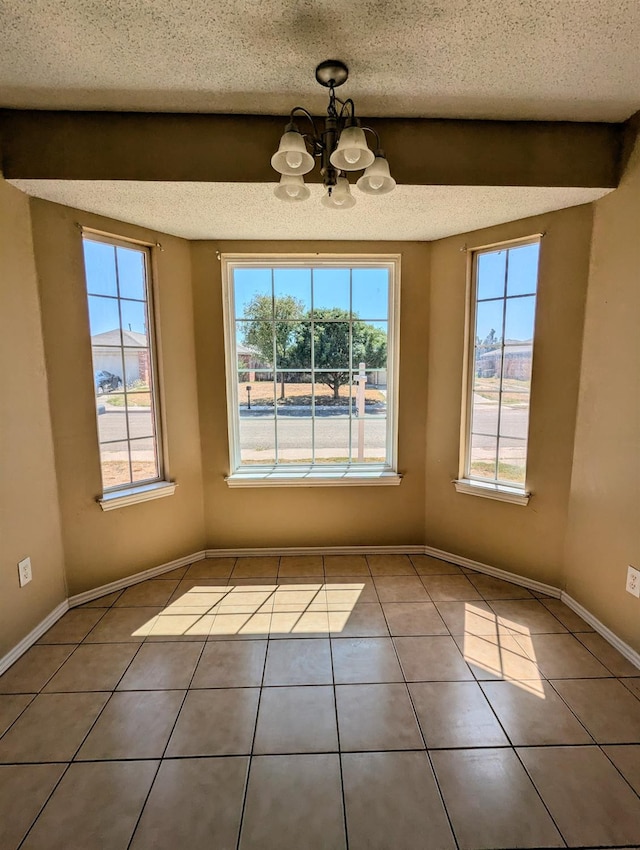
[
  {"x": 35, "y": 634},
  {"x": 314, "y": 550},
  {"x": 623, "y": 648}
]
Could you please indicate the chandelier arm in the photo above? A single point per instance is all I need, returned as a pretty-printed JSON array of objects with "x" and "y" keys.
[
  {"x": 345, "y": 104},
  {"x": 373, "y": 132},
  {"x": 309, "y": 116}
]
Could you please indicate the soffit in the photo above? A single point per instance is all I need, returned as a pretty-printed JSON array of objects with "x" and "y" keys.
[
  {"x": 250, "y": 210},
  {"x": 552, "y": 59}
]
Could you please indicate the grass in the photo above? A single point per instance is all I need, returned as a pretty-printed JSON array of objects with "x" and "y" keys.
[
  {"x": 115, "y": 473},
  {"x": 506, "y": 471},
  {"x": 262, "y": 393},
  {"x": 135, "y": 398},
  {"x": 514, "y": 392}
]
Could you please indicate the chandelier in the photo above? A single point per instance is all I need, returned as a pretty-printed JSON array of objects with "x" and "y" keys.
[{"x": 340, "y": 147}]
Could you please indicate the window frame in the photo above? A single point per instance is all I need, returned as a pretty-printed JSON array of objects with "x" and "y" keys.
[
  {"x": 279, "y": 474},
  {"x": 121, "y": 495},
  {"x": 466, "y": 482}
]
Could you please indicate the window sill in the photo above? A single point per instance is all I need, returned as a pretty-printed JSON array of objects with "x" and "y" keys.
[
  {"x": 499, "y": 492},
  {"x": 314, "y": 478},
  {"x": 134, "y": 495}
]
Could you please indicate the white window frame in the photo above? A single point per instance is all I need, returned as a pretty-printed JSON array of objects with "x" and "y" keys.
[
  {"x": 466, "y": 482},
  {"x": 305, "y": 475},
  {"x": 144, "y": 490}
]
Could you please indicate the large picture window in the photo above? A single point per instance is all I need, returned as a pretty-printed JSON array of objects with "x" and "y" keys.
[
  {"x": 121, "y": 326},
  {"x": 311, "y": 364},
  {"x": 504, "y": 287}
]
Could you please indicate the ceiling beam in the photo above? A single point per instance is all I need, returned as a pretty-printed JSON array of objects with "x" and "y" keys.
[{"x": 237, "y": 148}]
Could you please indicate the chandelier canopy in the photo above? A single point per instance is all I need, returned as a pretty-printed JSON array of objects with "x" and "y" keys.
[{"x": 340, "y": 147}]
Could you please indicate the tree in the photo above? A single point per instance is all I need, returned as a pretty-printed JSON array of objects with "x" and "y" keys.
[{"x": 259, "y": 330}]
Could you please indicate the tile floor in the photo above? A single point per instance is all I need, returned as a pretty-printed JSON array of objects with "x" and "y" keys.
[{"x": 384, "y": 702}]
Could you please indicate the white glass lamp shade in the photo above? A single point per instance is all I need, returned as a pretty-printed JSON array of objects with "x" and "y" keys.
[
  {"x": 376, "y": 180},
  {"x": 340, "y": 197},
  {"x": 291, "y": 188},
  {"x": 292, "y": 157},
  {"x": 352, "y": 153}
]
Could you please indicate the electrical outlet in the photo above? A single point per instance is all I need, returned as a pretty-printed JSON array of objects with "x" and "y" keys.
[
  {"x": 24, "y": 571},
  {"x": 633, "y": 581}
]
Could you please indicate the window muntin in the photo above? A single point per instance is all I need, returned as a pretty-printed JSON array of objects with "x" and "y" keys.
[
  {"x": 504, "y": 287},
  {"x": 296, "y": 333},
  {"x": 117, "y": 276}
]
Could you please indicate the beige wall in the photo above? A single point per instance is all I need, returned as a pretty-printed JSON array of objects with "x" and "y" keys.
[
  {"x": 101, "y": 547},
  {"x": 321, "y": 516},
  {"x": 525, "y": 540},
  {"x": 29, "y": 514},
  {"x": 604, "y": 519}
]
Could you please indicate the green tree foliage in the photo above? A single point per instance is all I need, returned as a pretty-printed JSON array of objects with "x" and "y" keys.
[{"x": 258, "y": 333}]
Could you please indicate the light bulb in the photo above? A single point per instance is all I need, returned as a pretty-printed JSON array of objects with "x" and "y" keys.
[
  {"x": 376, "y": 182},
  {"x": 293, "y": 159},
  {"x": 292, "y": 190},
  {"x": 338, "y": 201},
  {"x": 352, "y": 155}
]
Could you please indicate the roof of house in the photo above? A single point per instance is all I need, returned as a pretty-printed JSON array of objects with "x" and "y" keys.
[{"x": 113, "y": 338}]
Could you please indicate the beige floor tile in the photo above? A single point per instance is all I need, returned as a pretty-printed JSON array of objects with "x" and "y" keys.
[
  {"x": 73, "y": 627},
  {"x": 431, "y": 659},
  {"x": 195, "y": 804},
  {"x": 585, "y": 794},
  {"x": 215, "y": 723},
  {"x": 449, "y": 588},
  {"x": 133, "y": 725},
  {"x": 123, "y": 625},
  {"x": 390, "y": 565},
  {"x": 259, "y": 567},
  {"x": 32, "y": 671},
  {"x": 609, "y": 711},
  {"x": 228, "y": 625},
  {"x": 633, "y": 684},
  {"x": 413, "y": 618},
  {"x": 365, "y": 619},
  {"x": 566, "y": 616},
  {"x": 345, "y": 565},
  {"x": 425, "y": 565},
  {"x": 296, "y": 720},
  {"x": 473, "y": 617},
  {"x": 400, "y": 589},
  {"x": 211, "y": 568},
  {"x": 200, "y": 593},
  {"x": 24, "y": 789},
  {"x": 505, "y": 810},
  {"x": 93, "y": 667},
  {"x": 301, "y": 565},
  {"x": 297, "y": 624},
  {"x": 51, "y": 728},
  {"x": 177, "y": 624},
  {"x": 376, "y": 717},
  {"x": 11, "y": 707},
  {"x": 296, "y": 596},
  {"x": 96, "y": 805},
  {"x": 494, "y": 588},
  {"x": 362, "y": 584},
  {"x": 294, "y": 801},
  {"x": 178, "y": 573},
  {"x": 627, "y": 759},
  {"x": 147, "y": 593},
  {"x": 160, "y": 666},
  {"x": 231, "y": 664},
  {"x": 392, "y": 801},
  {"x": 105, "y": 601},
  {"x": 608, "y": 655},
  {"x": 455, "y": 714},
  {"x": 501, "y": 657},
  {"x": 364, "y": 660},
  {"x": 534, "y": 716},
  {"x": 298, "y": 662},
  {"x": 526, "y": 616},
  {"x": 561, "y": 656}
]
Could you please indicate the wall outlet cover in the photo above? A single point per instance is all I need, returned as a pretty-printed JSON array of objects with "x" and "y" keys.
[
  {"x": 633, "y": 581},
  {"x": 24, "y": 571}
]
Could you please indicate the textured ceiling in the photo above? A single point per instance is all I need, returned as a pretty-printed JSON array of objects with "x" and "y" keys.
[
  {"x": 545, "y": 59},
  {"x": 250, "y": 210}
]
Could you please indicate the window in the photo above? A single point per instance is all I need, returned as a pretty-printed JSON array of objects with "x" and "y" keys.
[
  {"x": 311, "y": 368},
  {"x": 504, "y": 284},
  {"x": 121, "y": 326}
]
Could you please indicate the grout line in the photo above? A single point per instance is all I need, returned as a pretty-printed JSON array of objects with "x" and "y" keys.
[{"x": 335, "y": 706}]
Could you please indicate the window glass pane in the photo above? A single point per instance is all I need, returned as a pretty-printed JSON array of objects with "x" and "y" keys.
[
  {"x": 100, "y": 268},
  {"x": 293, "y": 345},
  {"x": 512, "y": 461},
  {"x": 292, "y": 290},
  {"x": 522, "y": 276},
  {"x": 491, "y": 273},
  {"x": 257, "y": 436},
  {"x": 519, "y": 319},
  {"x": 295, "y": 437},
  {"x": 104, "y": 320},
  {"x": 488, "y": 366},
  {"x": 114, "y": 460},
  {"x": 485, "y": 412},
  {"x": 370, "y": 297},
  {"x": 374, "y": 440},
  {"x": 254, "y": 345},
  {"x": 140, "y": 415},
  {"x": 131, "y": 273},
  {"x": 331, "y": 388},
  {"x": 331, "y": 345},
  {"x": 252, "y": 293},
  {"x": 331, "y": 292},
  {"x": 257, "y": 394},
  {"x": 112, "y": 418},
  {"x": 514, "y": 417},
  {"x": 482, "y": 462},
  {"x": 137, "y": 368},
  {"x": 369, "y": 344},
  {"x": 107, "y": 370},
  {"x": 134, "y": 323},
  {"x": 517, "y": 363},
  {"x": 294, "y": 392},
  {"x": 332, "y": 437},
  {"x": 489, "y": 323},
  {"x": 143, "y": 459},
  {"x": 375, "y": 396}
]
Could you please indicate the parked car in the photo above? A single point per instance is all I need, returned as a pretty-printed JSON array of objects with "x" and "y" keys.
[{"x": 107, "y": 382}]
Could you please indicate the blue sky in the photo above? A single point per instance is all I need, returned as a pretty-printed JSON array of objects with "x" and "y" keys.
[
  {"x": 521, "y": 280},
  {"x": 100, "y": 265}
]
